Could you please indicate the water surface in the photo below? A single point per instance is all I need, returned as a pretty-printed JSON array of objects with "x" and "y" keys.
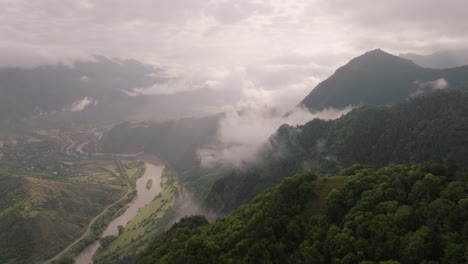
[{"x": 144, "y": 196}]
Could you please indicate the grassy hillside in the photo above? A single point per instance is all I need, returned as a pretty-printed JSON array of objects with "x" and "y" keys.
[
  {"x": 39, "y": 217},
  {"x": 48, "y": 197},
  {"x": 397, "y": 214},
  {"x": 430, "y": 127}
]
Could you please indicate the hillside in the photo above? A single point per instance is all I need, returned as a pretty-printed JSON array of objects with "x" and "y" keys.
[
  {"x": 429, "y": 127},
  {"x": 379, "y": 78},
  {"x": 175, "y": 142},
  {"x": 39, "y": 216},
  {"x": 397, "y": 214},
  {"x": 439, "y": 60},
  {"x": 48, "y": 197}
]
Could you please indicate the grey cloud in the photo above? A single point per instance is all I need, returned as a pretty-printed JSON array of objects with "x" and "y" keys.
[
  {"x": 405, "y": 24},
  {"x": 80, "y": 105},
  {"x": 14, "y": 54},
  {"x": 284, "y": 46},
  {"x": 229, "y": 12}
]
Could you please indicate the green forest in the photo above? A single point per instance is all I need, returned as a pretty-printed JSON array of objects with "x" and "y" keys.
[
  {"x": 382, "y": 184},
  {"x": 432, "y": 127},
  {"x": 412, "y": 213}
]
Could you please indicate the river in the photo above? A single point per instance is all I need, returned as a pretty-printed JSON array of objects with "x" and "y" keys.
[{"x": 144, "y": 196}]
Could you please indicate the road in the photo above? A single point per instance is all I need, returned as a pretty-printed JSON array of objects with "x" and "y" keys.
[
  {"x": 78, "y": 149},
  {"x": 88, "y": 228}
]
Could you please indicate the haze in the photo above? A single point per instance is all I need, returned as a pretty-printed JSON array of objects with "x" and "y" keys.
[{"x": 276, "y": 50}]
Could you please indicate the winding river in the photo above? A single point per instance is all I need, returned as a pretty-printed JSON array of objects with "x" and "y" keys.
[{"x": 144, "y": 196}]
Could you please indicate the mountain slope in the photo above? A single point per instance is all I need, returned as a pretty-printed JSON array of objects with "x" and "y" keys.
[
  {"x": 101, "y": 91},
  {"x": 440, "y": 59},
  {"x": 429, "y": 127},
  {"x": 175, "y": 141},
  {"x": 61, "y": 88},
  {"x": 398, "y": 214},
  {"x": 377, "y": 78}
]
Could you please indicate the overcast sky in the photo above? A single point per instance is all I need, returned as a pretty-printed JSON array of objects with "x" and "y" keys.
[{"x": 260, "y": 46}]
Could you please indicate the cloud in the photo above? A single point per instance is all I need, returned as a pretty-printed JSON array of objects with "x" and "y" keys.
[
  {"x": 23, "y": 55},
  {"x": 80, "y": 105},
  {"x": 271, "y": 50},
  {"x": 228, "y": 32},
  {"x": 229, "y": 12},
  {"x": 275, "y": 85},
  {"x": 418, "y": 26},
  {"x": 439, "y": 84},
  {"x": 244, "y": 131}
]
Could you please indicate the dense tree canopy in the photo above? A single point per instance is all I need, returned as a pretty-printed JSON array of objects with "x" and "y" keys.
[
  {"x": 414, "y": 213},
  {"x": 431, "y": 127}
]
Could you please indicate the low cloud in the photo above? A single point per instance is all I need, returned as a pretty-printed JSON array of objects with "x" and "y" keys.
[
  {"x": 80, "y": 105},
  {"x": 429, "y": 86},
  {"x": 21, "y": 55},
  {"x": 180, "y": 79},
  {"x": 243, "y": 132},
  {"x": 438, "y": 84}
]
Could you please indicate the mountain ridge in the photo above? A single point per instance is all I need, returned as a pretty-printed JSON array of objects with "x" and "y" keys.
[
  {"x": 428, "y": 127},
  {"x": 377, "y": 78}
]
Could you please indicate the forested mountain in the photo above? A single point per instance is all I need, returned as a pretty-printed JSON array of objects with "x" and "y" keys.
[
  {"x": 429, "y": 127},
  {"x": 377, "y": 78},
  {"x": 397, "y": 214},
  {"x": 406, "y": 115}
]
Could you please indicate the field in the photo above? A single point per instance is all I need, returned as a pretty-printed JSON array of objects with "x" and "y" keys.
[{"x": 49, "y": 195}]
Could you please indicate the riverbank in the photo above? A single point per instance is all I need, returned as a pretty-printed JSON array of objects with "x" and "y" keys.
[
  {"x": 143, "y": 197},
  {"x": 150, "y": 221}
]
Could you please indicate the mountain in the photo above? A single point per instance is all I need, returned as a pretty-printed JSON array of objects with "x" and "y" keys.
[
  {"x": 378, "y": 78},
  {"x": 85, "y": 86},
  {"x": 99, "y": 91},
  {"x": 428, "y": 127},
  {"x": 440, "y": 59},
  {"x": 397, "y": 214},
  {"x": 176, "y": 142}
]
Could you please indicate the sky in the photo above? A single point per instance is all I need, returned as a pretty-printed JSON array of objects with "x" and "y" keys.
[
  {"x": 251, "y": 59},
  {"x": 272, "y": 51}
]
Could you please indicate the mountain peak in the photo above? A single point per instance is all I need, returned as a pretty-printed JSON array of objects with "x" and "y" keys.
[
  {"x": 376, "y": 77},
  {"x": 379, "y": 57},
  {"x": 376, "y": 51}
]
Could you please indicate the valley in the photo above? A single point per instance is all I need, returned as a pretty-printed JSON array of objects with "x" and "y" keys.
[
  {"x": 233, "y": 132},
  {"x": 49, "y": 181},
  {"x": 61, "y": 194},
  {"x": 143, "y": 197},
  {"x": 329, "y": 190}
]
